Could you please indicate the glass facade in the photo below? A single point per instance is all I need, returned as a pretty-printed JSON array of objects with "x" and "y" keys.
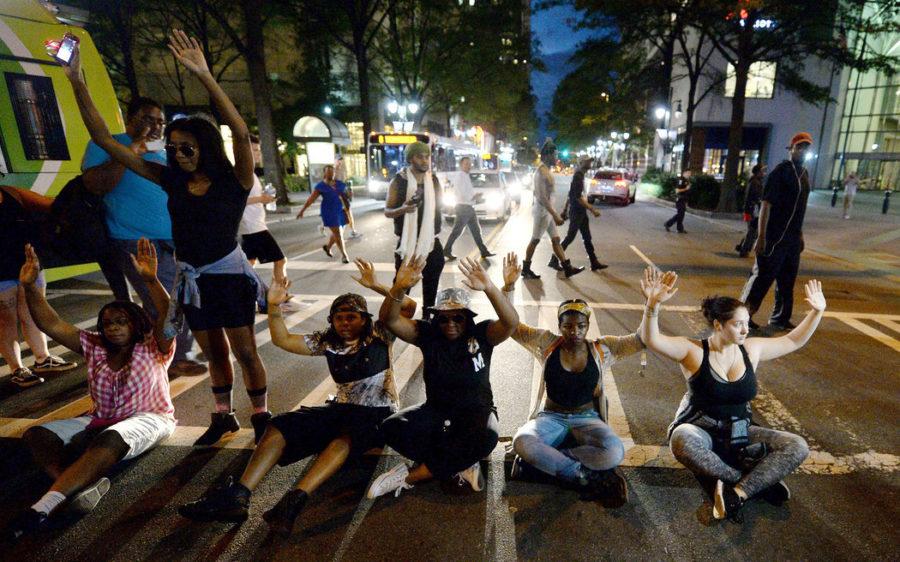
[{"x": 869, "y": 140}]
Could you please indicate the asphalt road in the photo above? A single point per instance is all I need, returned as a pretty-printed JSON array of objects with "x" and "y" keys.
[{"x": 840, "y": 392}]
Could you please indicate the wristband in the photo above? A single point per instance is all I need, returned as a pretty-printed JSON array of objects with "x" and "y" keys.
[{"x": 392, "y": 297}]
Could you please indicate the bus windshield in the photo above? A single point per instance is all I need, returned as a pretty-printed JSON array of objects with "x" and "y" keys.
[{"x": 385, "y": 160}]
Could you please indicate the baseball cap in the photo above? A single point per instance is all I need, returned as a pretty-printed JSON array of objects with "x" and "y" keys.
[
  {"x": 452, "y": 298},
  {"x": 349, "y": 302},
  {"x": 801, "y": 137},
  {"x": 573, "y": 305}
]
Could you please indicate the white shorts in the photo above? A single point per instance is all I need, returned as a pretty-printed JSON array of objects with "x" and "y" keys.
[
  {"x": 542, "y": 222},
  {"x": 141, "y": 432}
]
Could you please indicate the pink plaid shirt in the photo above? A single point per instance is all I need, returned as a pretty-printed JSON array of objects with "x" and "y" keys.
[{"x": 141, "y": 386}]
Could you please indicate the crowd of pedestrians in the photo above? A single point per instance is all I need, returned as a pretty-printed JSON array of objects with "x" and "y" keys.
[{"x": 176, "y": 210}]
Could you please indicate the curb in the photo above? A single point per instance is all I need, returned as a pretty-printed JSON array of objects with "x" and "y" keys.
[{"x": 695, "y": 212}]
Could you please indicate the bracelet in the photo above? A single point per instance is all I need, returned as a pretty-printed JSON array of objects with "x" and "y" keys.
[
  {"x": 392, "y": 297},
  {"x": 509, "y": 288},
  {"x": 651, "y": 312}
]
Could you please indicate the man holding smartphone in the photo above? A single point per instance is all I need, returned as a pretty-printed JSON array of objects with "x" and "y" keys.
[{"x": 137, "y": 208}]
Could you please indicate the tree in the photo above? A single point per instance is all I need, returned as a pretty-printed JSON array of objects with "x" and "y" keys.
[{"x": 113, "y": 25}]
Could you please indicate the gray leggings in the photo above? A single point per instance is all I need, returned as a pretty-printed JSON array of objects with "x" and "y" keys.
[{"x": 692, "y": 446}]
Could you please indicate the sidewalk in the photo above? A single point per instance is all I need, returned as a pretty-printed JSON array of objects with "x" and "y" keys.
[{"x": 288, "y": 212}]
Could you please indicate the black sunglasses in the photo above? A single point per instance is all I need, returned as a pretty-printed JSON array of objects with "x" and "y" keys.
[
  {"x": 455, "y": 318},
  {"x": 186, "y": 149}
]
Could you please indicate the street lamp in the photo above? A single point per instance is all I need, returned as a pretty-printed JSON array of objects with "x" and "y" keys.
[
  {"x": 625, "y": 136},
  {"x": 393, "y": 106},
  {"x": 613, "y": 134},
  {"x": 327, "y": 110},
  {"x": 413, "y": 107},
  {"x": 660, "y": 113}
]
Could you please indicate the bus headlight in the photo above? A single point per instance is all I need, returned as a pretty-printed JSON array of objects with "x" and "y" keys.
[{"x": 514, "y": 188}]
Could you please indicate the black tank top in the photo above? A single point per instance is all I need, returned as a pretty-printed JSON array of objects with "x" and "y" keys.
[
  {"x": 719, "y": 398},
  {"x": 569, "y": 389}
]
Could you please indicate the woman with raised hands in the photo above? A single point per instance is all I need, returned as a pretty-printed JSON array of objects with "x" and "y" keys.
[
  {"x": 216, "y": 289},
  {"x": 713, "y": 434}
]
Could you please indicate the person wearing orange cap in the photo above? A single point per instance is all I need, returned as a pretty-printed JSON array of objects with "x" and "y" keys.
[{"x": 780, "y": 239}]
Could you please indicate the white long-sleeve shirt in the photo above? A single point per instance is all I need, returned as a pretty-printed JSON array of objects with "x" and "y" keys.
[{"x": 462, "y": 185}]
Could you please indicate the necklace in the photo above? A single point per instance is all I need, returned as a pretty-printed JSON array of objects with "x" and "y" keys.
[{"x": 717, "y": 365}]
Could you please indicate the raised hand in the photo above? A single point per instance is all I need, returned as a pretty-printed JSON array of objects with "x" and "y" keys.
[
  {"x": 145, "y": 262},
  {"x": 814, "y": 295},
  {"x": 31, "y": 268},
  {"x": 476, "y": 277},
  {"x": 366, "y": 273},
  {"x": 278, "y": 291},
  {"x": 188, "y": 52},
  {"x": 658, "y": 287},
  {"x": 511, "y": 269},
  {"x": 410, "y": 272},
  {"x": 73, "y": 69}
]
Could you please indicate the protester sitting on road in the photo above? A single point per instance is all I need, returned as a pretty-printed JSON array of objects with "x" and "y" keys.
[
  {"x": 332, "y": 210},
  {"x": 456, "y": 427},
  {"x": 573, "y": 376},
  {"x": 217, "y": 289},
  {"x": 16, "y": 226},
  {"x": 713, "y": 433},
  {"x": 135, "y": 208},
  {"x": 358, "y": 351},
  {"x": 127, "y": 360}
]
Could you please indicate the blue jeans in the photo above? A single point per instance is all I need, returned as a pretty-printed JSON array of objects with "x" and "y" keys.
[
  {"x": 165, "y": 271},
  {"x": 598, "y": 447}
]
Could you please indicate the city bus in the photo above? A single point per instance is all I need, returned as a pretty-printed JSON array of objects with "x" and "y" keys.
[{"x": 387, "y": 156}]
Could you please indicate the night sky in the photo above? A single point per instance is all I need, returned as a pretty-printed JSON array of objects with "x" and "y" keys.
[{"x": 558, "y": 41}]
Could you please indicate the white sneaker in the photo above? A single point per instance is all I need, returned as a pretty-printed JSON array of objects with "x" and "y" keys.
[
  {"x": 354, "y": 234},
  {"x": 86, "y": 500},
  {"x": 394, "y": 480},
  {"x": 291, "y": 306},
  {"x": 473, "y": 476},
  {"x": 322, "y": 229}
]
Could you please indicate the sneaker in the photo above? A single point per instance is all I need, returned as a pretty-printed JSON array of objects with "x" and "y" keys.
[
  {"x": 25, "y": 523},
  {"x": 228, "y": 503},
  {"x": 682, "y": 232},
  {"x": 322, "y": 229},
  {"x": 473, "y": 476},
  {"x": 354, "y": 235},
  {"x": 259, "y": 422},
  {"x": 53, "y": 364},
  {"x": 281, "y": 517},
  {"x": 24, "y": 378},
  {"x": 487, "y": 254},
  {"x": 554, "y": 264},
  {"x": 607, "y": 486},
  {"x": 846, "y": 217},
  {"x": 726, "y": 502},
  {"x": 187, "y": 367},
  {"x": 448, "y": 256},
  {"x": 782, "y": 326},
  {"x": 668, "y": 228},
  {"x": 345, "y": 259},
  {"x": 291, "y": 306},
  {"x": 777, "y": 493},
  {"x": 597, "y": 266},
  {"x": 220, "y": 424},
  {"x": 86, "y": 500},
  {"x": 394, "y": 480}
]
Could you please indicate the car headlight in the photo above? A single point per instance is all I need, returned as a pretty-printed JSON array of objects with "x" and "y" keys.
[
  {"x": 495, "y": 200},
  {"x": 514, "y": 188},
  {"x": 376, "y": 186},
  {"x": 449, "y": 200}
]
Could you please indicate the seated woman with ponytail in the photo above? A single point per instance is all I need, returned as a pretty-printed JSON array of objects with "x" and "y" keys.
[{"x": 713, "y": 434}]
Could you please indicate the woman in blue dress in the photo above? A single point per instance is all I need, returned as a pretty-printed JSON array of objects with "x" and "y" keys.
[{"x": 332, "y": 210}]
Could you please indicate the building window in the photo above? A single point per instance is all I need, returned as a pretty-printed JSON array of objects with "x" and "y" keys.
[
  {"x": 760, "y": 80},
  {"x": 37, "y": 116}
]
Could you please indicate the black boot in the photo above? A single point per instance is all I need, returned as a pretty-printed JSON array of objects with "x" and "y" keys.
[
  {"x": 554, "y": 263},
  {"x": 220, "y": 424},
  {"x": 259, "y": 422},
  {"x": 526, "y": 271},
  {"x": 596, "y": 265},
  {"x": 571, "y": 270},
  {"x": 281, "y": 517},
  {"x": 229, "y": 503}
]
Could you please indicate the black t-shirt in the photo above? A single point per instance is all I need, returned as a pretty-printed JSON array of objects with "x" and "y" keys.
[
  {"x": 16, "y": 229},
  {"x": 456, "y": 373},
  {"x": 402, "y": 186},
  {"x": 204, "y": 227},
  {"x": 682, "y": 183},
  {"x": 787, "y": 190},
  {"x": 576, "y": 190}
]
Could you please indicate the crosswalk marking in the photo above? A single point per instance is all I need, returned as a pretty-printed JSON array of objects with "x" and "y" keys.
[{"x": 879, "y": 336}]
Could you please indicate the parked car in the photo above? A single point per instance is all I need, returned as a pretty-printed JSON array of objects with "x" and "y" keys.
[
  {"x": 492, "y": 197},
  {"x": 610, "y": 185}
]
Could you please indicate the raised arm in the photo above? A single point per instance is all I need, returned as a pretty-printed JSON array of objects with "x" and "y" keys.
[
  {"x": 368, "y": 280},
  {"x": 295, "y": 343},
  {"x": 408, "y": 275},
  {"x": 477, "y": 279},
  {"x": 145, "y": 264},
  {"x": 771, "y": 348},
  {"x": 43, "y": 314},
  {"x": 659, "y": 288},
  {"x": 188, "y": 52},
  {"x": 130, "y": 157}
]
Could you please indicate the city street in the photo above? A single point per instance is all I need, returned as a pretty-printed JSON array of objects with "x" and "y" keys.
[{"x": 841, "y": 393}]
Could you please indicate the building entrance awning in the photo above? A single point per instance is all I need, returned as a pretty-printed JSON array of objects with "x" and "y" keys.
[{"x": 312, "y": 128}]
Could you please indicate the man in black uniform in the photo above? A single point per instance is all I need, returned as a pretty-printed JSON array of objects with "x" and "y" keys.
[
  {"x": 681, "y": 201},
  {"x": 419, "y": 237},
  {"x": 578, "y": 208},
  {"x": 752, "y": 202},
  {"x": 780, "y": 238}
]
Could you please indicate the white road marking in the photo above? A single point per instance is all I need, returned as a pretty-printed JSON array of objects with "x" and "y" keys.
[
  {"x": 879, "y": 336},
  {"x": 890, "y": 324},
  {"x": 641, "y": 255}
]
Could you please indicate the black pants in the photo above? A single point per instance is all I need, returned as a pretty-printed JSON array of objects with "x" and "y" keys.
[
  {"x": 466, "y": 217},
  {"x": 746, "y": 244},
  {"x": 431, "y": 275},
  {"x": 781, "y": 266},
  {"x": 421, "y": 433},
  {"x": 580, "y": 223},
  {"x": 678, "y": 217}
]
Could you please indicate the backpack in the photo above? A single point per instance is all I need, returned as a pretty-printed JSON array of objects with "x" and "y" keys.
[{"x": 78, "y": 224}]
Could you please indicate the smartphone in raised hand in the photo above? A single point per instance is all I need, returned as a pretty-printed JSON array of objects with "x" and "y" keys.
[{"x": 66, "y": 49}]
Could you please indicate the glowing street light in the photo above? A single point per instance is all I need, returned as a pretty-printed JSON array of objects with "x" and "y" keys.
[
  {"x": 660, "y": 112},
  {"x": 327, "y": 110},
  {"x": 393, "y": 106}
]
